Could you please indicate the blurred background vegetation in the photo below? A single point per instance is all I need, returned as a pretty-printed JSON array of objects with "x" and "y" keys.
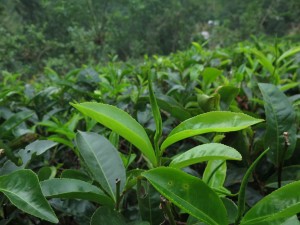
[{"x": 64, "y": 34}]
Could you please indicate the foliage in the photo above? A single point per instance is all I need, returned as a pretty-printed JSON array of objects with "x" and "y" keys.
[
  {"x": 174, "y": 139},
  {"x": 64, "y": 35}
]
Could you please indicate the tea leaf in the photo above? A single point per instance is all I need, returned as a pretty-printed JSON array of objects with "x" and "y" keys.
[
  {"x": 121, "y": 123},
  {"x": 205, "y": 152},
  {"x": 188, "y": 193},
  {"x": 22, "y": 188},
  {"x": 280, "y": 118},
  {"x": 288, "y": 53},
  {"x": 103, "y": 160},
  {"x": 218, "y": 121},
  {"x": 105, "y": 215},
  {"x": 282, "y": 203},
  {"x": 76, "y": 189}
]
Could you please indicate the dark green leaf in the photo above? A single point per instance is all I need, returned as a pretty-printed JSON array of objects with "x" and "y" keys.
[
  {"x": 280, "y": 118},
  {"x": 105, "y": 215},
  {"x": 74, "y": 189},
  {"x": 280, "y": 204},
  {"x": 103, "y": 160},
  {"x": 149, "y": 203},
  {"x": 22, "y": 188}
]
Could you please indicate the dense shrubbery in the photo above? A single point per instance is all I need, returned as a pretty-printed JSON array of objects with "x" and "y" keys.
[
  {"x": 41, "y": 132},
  {"x": 65, "y": 35}
]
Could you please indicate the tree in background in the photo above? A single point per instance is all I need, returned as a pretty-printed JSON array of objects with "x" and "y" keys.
[{"x": 62, "y": 33}]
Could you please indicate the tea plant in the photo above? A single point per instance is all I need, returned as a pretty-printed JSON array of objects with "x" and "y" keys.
[{"x": 183, "y": 155}]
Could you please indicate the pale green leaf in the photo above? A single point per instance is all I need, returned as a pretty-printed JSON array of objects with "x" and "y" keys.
[
  {"x": 205, "y": 152},
  {"x": 215, "y": 121},
  {"x": 121, "y": 123}
]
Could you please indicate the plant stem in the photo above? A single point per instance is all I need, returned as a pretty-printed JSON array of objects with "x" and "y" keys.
[
  {"x": 280, "y": 166},
  {"x": 166, "y": 207},
  {"x": 118, "y": 196},
  {"x": 242, "y": 192}
]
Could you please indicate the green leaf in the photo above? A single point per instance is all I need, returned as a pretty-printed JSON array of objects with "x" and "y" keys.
[
  {"x": 149, "y": 202},
  {"x": 282, "y": 203},
  {"x": 231, "y": 208},
  {"x": 156, "y": 115},
  {"x": 242, "y": 192},
  {"x": 215, "y": 173},
  {"x": 288, "y": 53},
  {"x": 218, "y": 121},
  {"x": 205, "y": 152},
  {"x": 210, "y": 74},
  {"x": 208, "y": 103},
  {"x": 263, "y": 60},
  {"x": 14, "y": 121},
  {"x": 285, "y": 221},
  {"x": 74, "y": 189},
  {"x": 105, "y": 215},
  {"x": 189, "y": 193},
  {"x": 280, "y": 118},
  {"x": 37, "y": 147},
  {"x": 22, "y": 188},
  {"x": 227, "y": 94},
  {"x": 170, "y": 105},
  {"x": 47, "y": 172},
  {"x": 75, "y": 174},
  {"x": 121, "y": 123},
  {"x": 103, "y": 161}
]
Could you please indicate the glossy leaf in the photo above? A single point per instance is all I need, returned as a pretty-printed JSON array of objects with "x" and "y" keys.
[
  {"x": 217, "y": 121},
  {"x": 22, "y": 188},
  {"x": 282, "y": 203},
  {"x": 284, "y": 221},
  {"x": 103, "y": 161},
  {"x": 280, "y": 118},
  {"x": 189, "y": 193},
  {"x": 215, "y": 173},
  {"x": 105, "y": 215},
  {"x": 121, "y": 123},
  {"x": 74, "y": 189},
  {"x": 205, "y": 152},
  {"x": 227, "y": 95}
]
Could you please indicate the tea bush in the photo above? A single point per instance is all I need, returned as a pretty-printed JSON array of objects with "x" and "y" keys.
[{"x": 197, "y": 137}]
